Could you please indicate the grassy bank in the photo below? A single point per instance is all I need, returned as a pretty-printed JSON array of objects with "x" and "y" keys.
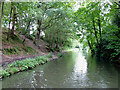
[
  {"x": 14, "y": 46},
  {"x": 26, "y": 64}
]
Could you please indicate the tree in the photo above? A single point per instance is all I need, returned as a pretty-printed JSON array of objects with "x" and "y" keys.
[
  {"x": 0, "y": 27},
  {"x": 99, "y": 29}
]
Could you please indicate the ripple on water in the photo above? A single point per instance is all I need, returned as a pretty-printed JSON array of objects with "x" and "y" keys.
[{"x": 70, "y": 71}]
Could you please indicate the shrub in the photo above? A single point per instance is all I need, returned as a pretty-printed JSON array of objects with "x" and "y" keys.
[
  {"x": 25, "y": 64},
  {"x": 59, "y": 54},
  {"x": 4, "y": 73},
  {"x": 49, "y": 55},
  {"x": 12, "y": 70}
]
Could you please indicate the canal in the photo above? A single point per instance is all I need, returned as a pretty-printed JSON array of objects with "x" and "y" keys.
[{"x": 73, "y": 70}]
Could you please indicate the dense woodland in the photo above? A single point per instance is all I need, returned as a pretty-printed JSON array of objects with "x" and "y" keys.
[{"x": 95, "y": 24}]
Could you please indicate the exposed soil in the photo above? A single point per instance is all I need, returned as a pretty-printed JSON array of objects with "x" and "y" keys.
[{"x": 40, "y": 49}]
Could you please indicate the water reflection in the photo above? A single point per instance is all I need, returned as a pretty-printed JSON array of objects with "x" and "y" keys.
[
  {"x": 71, "y": 71},
  {"x": 80, "y": 70},
  {"x": 80, "y": 64}
]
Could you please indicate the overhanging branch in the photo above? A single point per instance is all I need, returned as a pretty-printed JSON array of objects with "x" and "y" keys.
[{"x": 50, "y": 21}]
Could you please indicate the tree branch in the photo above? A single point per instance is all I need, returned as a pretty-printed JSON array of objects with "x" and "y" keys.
[
  {"x": 118, "y": 3},
  {"x": 50, "y": 21}
]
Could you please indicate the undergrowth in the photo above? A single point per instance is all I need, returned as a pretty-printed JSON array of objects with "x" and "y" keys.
[
  {"x": 17, "y": 50},
  {"x": 26, "y": 64},
  {"x": 16, "y": 46},
  {"x": 60, "y": 54}
]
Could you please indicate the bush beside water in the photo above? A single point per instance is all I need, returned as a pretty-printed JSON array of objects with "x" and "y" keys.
[
  {"x": 60, "y": 54},
  {"x": 23, "y": 65}
]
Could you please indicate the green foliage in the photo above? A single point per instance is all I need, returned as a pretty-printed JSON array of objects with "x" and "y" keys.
[
  {"x": 4, "y": 73},
  {"x": 60, "y": 28},
  {"x": 50, "y": 55},
  {"x": 23, "y": 65},
  {"x": 99, "y": 28},
  {"x": 16, "y": 46},
  {"x": 12, "y": 70},
  {"x": 10, "y": 51},
  {"x": 31, "y": 37},
  {"x": 30, "y": 63},
  {"x": 77, "y": 46},
  {"x": 15, "y": 38},
  {"x": 17, "y": 50},
  {"x": 23, "y": 68},
  {"x": 110, "y": 49},
  {"x": 31, "y": 50},
  {"x": 56, "y": 21},
  {"x": 95, "y": 25},
  {"x": 60, "y": 54}
]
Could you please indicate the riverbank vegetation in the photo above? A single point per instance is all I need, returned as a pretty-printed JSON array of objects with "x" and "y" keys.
[
  {"x": 37, "y": 28},
  {"x": 19, "y": 66},
  {"x": 99, "y": 25},
  {"x": 26, "y": 64}
]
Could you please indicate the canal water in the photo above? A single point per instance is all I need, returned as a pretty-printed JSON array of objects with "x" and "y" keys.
[{"x": 73, "y": 70}]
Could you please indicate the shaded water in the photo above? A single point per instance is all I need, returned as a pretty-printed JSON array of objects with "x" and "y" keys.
[{"x": 70, "y": 71}]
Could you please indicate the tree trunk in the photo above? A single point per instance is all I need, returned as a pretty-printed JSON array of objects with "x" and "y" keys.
[
  {"x": 8, "y": 34},
  {"x": 57, "y": 42},
  {"x": 0, "y": 28},
  {"x": 23, "y": 42},
  {"x": 17, "y": 23},
  {"x": 0, "y": 16},
  {"x": 28, "y": 26},
  {"x": 2, "y": 8},
  {"x": 21, "y": 23},
  {"x": 99, "y": 23},
  {"x": 90, "y": 46},
  {"x": 14, "y": 15},
  {"x": 39, "y": 28},
  {"x": 95, "y": 31}
]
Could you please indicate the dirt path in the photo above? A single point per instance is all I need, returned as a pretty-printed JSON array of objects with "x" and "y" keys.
[{"x": 40, "y": 49}]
